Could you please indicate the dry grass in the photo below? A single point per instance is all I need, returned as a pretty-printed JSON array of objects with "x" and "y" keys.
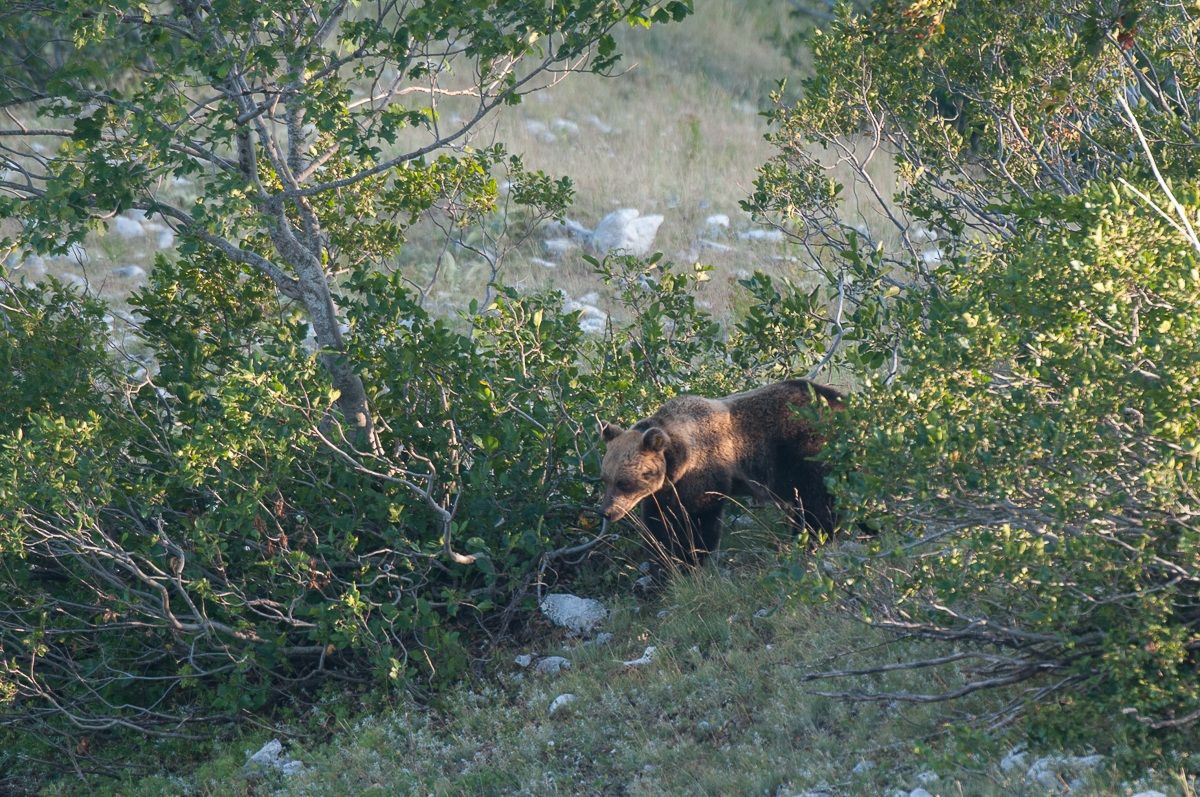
[{"x": 677, "y": 132}]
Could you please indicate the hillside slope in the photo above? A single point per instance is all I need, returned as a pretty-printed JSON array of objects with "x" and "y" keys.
[{"x": 722, "y": 707}]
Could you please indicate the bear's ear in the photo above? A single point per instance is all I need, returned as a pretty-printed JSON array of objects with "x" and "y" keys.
[
  {"x": 654, "y": 439},
  {"x": 610, "y": 431}
]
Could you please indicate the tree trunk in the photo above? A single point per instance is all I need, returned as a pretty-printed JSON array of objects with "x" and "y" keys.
[{"x": 322, "y": 314}]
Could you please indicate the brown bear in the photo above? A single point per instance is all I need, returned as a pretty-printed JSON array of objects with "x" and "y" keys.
[{"x": 693, "y": 453}]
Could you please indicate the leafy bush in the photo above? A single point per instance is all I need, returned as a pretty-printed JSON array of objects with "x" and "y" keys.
[
  {"x": 207, "y": 541},
  {"x": 1020, "y": 312},
  {"x": 1040, "y": 444}
]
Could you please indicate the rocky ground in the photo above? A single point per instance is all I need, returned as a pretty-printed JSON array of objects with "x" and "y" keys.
[{"x": 700, "y": 688}]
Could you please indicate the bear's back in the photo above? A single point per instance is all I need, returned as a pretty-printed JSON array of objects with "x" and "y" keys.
[{"x": 771, "y": 415}]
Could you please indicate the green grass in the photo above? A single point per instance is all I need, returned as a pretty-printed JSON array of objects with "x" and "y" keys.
[{"x": 724, "y": 709}]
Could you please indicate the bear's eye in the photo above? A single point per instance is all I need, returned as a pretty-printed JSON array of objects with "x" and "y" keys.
[{"x": 626, "y": 486}]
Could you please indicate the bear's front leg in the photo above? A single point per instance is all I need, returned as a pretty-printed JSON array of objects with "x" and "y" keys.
[
  {"x": 709, "y": 523},
  {"x": 681, "y": 536}
]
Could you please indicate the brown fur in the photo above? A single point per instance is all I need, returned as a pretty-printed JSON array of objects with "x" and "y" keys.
[{"x": 694, "y": 452}]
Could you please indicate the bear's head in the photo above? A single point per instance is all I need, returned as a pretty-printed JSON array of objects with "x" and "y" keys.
[{"x": 634, "y": 466}]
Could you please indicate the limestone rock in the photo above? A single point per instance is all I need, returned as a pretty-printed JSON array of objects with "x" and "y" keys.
[
  {"x": 578, "y": 615},
  {"x": 271, "y": 757},
  {"x": 1050, "y": 771},
  {"x": 646, "y": 658},
  {"x": 129, "y": 272},
  {"x": 128, "y": 227},
  {"x": 552, "y": 665},
  {"x": 540, "y": 131},
  {"x": 765, "y": 236},
  {"x": 557, "y": 247},
  {"x": 565, "y": 126},
  {"x": 561, "y": 702},
  {"x": 626, "y": 231}
]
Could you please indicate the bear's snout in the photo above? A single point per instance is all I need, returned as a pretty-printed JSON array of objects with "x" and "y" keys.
[{"x": 611, "y": 513}]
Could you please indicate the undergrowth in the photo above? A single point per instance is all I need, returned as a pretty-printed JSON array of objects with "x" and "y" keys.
[{"x": 724, "y": 708}]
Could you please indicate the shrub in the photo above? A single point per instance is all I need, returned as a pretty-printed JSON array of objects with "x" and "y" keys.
[
  {"x": 1019, "y": 311},
  {"x": 1040, "y": 448},
  {"x": 207, "y": 542}
]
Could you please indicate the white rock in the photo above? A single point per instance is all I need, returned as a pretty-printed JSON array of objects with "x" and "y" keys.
[
  {"x": 127, "y": 227},
  {"x": 715, "y": 246},
  {"x": 863, "y": 766},
  {"x": 592, "y": 325},
  {"x": 1049, "y": 771},
  {"x": 584, "y": 310},
  {"x": 931, "y": 257},
  {"x": 920, "y": 234},
  {"x": 599, "y": 124},
  {"x": 644, "y": 583},
  {"x": 166, "y": 238},
  {"x": 522, "y": 661},
  {"x": 559, "y": 702},
  {"x": 626, "y": 231},
  {"x": 717, "y": 220},
  {"x": 557, "y": 247},
  {"x": 32, "y": 267},
  {"x": 646, "y": 658},
  {"x": 73, "y": 280},
  {"x": 565, "y": 126},
  {"x": 1016, "y": 759},
  {"x": 927, "y": 777},
  {"x": 537, "y": 261},
  {"x": 129, "y": 272},
  {"x": 75, "y": 254},
  {"x": 271, "y": 756},
  {"x": 592, "y": 319},
  {"x": 268, "y": 753},
  {"x": 577, "y": 615},
  {"x": 919, "y": 792},
  {"x": 540, "y": 131},
  {"x": 552, "y": 665},
  {"x": 761, "y": 613},
  {"x": 562, "y": 228},
  {"x": 1151, "y": 793},
  {"x": 766, "y": 236}
]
